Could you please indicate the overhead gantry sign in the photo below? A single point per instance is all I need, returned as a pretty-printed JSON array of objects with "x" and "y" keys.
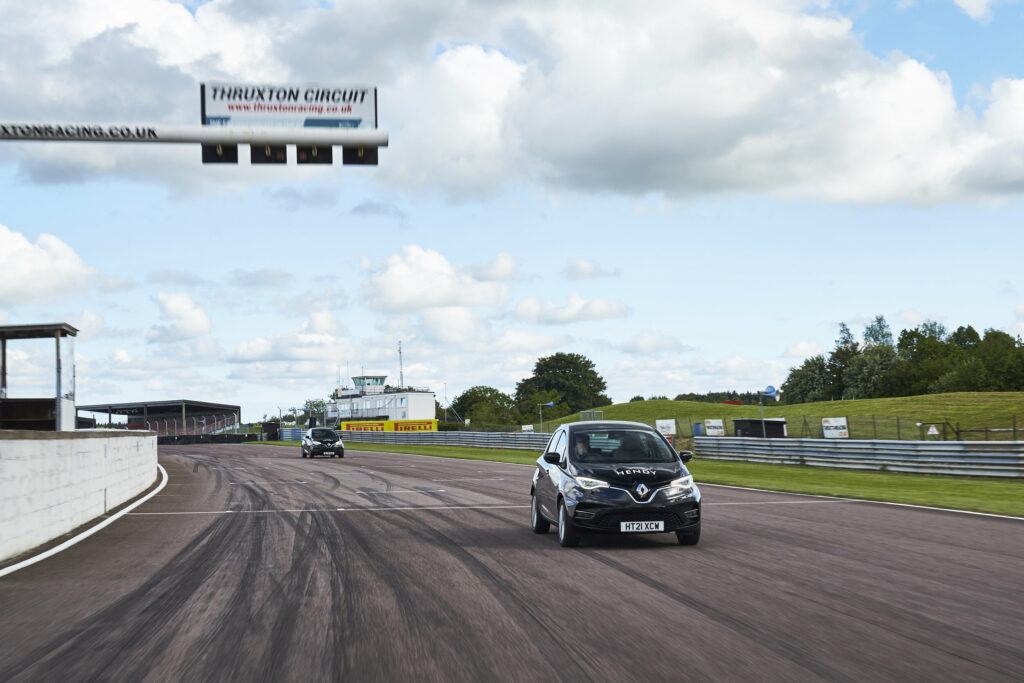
[{"x": 313, "y": 118}]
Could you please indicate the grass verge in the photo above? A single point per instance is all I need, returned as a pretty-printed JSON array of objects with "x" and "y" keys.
[{"x": 977, "y": 494}]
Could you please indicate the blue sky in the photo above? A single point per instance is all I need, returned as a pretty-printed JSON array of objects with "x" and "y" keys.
[{"x": 693, "y": 196}]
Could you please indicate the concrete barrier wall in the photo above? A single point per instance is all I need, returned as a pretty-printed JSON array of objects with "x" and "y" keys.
[{"x": 52, "y": 482}]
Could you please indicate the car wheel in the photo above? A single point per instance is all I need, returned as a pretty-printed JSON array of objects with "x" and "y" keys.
[
  {"x": 303, "y": 452},
  {"x": 567, "y": 536},
  {"x": 537, "y": 522},
  {"x": 342, "y": 454},
  {"x": 689, "y": 537}
]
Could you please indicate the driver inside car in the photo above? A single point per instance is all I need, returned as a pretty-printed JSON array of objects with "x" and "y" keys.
[{"x": 581, "y": 446}]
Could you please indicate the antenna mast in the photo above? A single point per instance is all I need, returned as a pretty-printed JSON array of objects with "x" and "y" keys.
[{"x": 401, "y": 374}]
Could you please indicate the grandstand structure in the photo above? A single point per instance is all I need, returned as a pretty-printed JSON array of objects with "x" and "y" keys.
[{"x": 166, "y": 418}]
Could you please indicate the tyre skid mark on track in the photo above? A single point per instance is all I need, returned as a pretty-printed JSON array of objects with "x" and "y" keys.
[
  {"x": 960, "y": 635},
  {"x": 495, "y": 586},
  {"x": 551, "y": 646},
  {"x": 759, "y": 636},
  {"x": 143, "y": 620}
]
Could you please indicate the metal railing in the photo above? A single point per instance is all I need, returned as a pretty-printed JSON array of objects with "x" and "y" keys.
[
  {"x": 966, "y": 458},
  {"x": 515, "y": 440}
]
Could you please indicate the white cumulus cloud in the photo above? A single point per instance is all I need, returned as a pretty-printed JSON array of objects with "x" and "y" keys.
[
  {"x": 416, "y": 279},
  {"x": 502, "y": 268},
  {"x": 185, "y": 319},
  {"x": 653, "y": 342},
  {"x": 40, "y": 272},
  {"x": 979, "y": 10},
  {"x": 582, "y": 269},
  {"x": 536, "y": 310}
]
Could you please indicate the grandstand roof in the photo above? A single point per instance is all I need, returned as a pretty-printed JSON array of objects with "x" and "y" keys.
[
  {"x": 47, "y": 331},
  {"x": 161, "y": 409}
]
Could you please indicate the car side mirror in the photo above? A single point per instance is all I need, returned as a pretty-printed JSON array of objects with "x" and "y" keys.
[
  {"x": 686, "y": 456},
  {"x": 552, "y": 458}
]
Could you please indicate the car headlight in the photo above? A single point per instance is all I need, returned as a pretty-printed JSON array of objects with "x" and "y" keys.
[
  {"x": 316, "y": 443},
  {"x": 591, "y": 484},
  {"x": 683, "y": 482}
]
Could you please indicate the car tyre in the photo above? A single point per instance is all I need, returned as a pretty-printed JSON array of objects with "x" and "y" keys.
[
  {"x": 303, "y": 452},
  {"x": 689, "y": 537},
  {"x": 537, "y": 521},
  {"x": 568, "y": 537}
]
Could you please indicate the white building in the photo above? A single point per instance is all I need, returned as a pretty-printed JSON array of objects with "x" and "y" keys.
[{"x": 371, "y": 399}]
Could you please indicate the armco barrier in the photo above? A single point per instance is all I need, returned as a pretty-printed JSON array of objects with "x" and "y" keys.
[
  {"x": 291, "y": 433},
  {"x": 52, "y": 482},
  {"x": 968, "y": 458},
  {"x": 525, "y": 441}
]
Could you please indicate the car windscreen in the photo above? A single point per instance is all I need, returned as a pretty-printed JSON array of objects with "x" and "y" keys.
[
  {"x": 620, "y": 446},
  {"x": 323, "y": 434}
]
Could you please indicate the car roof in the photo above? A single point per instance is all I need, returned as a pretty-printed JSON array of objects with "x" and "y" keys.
[{"x": 608, "y": 424}]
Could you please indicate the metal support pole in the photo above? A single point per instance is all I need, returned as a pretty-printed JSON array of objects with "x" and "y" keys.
[
  {"x": 56, "y": 336},
  {"x": 764, "y": 430},
  {"x": 1014, "y": 427},
  {"x": 3, "y": 367},
  {"x": 898, "y": 438}
]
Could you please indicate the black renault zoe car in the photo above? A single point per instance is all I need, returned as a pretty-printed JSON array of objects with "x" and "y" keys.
[
  {"x": 613, "y": 477},
  {"x": 322, "y": 441}
]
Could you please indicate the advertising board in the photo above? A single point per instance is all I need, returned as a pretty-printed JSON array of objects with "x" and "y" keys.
[
  {"x": 666, "y": 427},
  {"x": 714, "y": 428},
  {"x": 389, "y": 426},
  {"x": 834, "y": 428},
  {"x": 310, "y": 105},
  {"x": 527, "y": 428}
]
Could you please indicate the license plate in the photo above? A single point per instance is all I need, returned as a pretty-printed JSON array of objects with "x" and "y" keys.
[
  {"x": 328, "y": 452},
  {"x": 641, "y": 526}
]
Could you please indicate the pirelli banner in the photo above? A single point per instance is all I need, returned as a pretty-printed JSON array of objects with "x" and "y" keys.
[{"x": 389, "y": 426}]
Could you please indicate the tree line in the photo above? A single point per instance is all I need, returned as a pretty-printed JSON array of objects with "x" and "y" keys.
[
  {"x": 568, "y": 380},
  {"x": 927, "y": 359}
]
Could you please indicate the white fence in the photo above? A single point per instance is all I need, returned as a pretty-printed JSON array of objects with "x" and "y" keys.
[{"x": 970, "y": 458}]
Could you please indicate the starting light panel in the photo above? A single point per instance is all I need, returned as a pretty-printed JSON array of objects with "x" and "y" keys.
[
  {"x": 314, "y": 155},
  {"x": 268, "y": 154},
  {"x": 359, "y": 156},
  {"x": 220, "y": 154}
]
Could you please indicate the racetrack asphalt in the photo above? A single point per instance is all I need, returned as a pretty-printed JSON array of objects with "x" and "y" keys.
[{"x": 255, "y": 564}]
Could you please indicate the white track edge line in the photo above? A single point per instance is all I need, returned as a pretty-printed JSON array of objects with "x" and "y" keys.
[
  {"x": 88, "y": 532},
  {"x": 865, "y": 500}
]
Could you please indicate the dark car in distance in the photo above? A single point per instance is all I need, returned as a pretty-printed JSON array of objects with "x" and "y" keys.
[
  {"x": 322, "y": 441},
  {"x": 613, "y": 477}
]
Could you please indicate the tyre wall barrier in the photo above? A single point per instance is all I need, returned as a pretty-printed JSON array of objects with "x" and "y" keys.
[
  {"x": 965, "y": 458},
  {"x": 53, "y": 482}
]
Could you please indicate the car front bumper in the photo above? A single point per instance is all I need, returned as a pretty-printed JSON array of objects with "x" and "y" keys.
[
  {"x": 336, "y": 449},
  {"x": 603, "y": 510}
]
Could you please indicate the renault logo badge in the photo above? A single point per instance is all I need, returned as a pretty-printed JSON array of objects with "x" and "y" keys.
[{"x": 642, "y": 490}]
